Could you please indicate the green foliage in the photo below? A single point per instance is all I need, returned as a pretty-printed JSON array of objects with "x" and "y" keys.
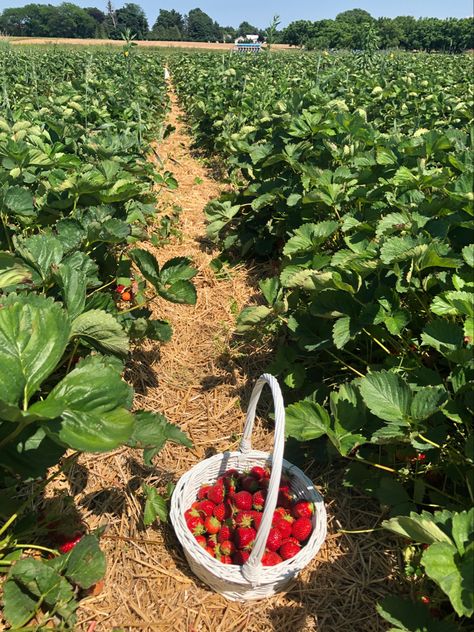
[{"x": 357, "y": 186}]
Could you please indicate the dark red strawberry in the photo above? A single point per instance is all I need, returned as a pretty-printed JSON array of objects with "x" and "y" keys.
[
  {"x": 302, "y": 528},
  {"x": 250, "y": 484},
  {"x": 206, "y": 507},
  {"x": 212, "y": 525},
  {"x": 212, "y": 541},
  {"x": 270, "y": 558},
  {"x": 284, "y": 499},
  {"x": 243, "y": 500},
  {"x": 216, "y": 494},
  {"x": 274, "y": 540},
  {"x": 289, "y": 550},
  {"x": 258, "y": 499},
  {"x": 240, "y": 557},
  {"x": 303, "y": 509},
  {"x": 244, "y": 537}
]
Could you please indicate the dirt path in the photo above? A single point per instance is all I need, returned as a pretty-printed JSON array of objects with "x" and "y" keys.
[{"x": 201, "y": 381}]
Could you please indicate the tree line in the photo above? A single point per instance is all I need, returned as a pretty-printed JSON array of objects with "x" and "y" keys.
[
  {"x": 346, "y": 31},
  {"x": 69, "y": 20}
]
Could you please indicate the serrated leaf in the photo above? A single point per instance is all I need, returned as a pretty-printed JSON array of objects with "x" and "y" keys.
[
  {"x": 453, "y": 574},
  {"x": 306, "y": 421},
  {"x": 41, "y": 252},
  {"x": 270, "y": 289},
  {"x": 73, "y": 284},
  {"x": 93, "y": 397},
  {"x": 409, "y": 616},
  {"x": 177, "y": 269},
  {"x": 463, "y": 530},
  {"x": 250, "y": 316},
  {"x": 386, "y": 395},
  {"x": 154, "y": 329},
  {"x": 147, "y": 264},
  {"x": 442, "y": 335},
  {"x": 12, "y": 271},
  {"x": 344, "y": 330},
  {"x": 468, "y": 255},
  {"x": 86, "y": 562},
  {"x": 309, "y": 236},
  {"x": 427, "y": 402},
  {"x": 102, "y": 331},
  {"x": 182, "y": 292},
  {"x": 416, "y": 527},
  {"x": 152, "y": 430},
  {"x": 19, "y": 201},
  {"x": 34, "y": 332},
  {"x": 155, "y": 506}
]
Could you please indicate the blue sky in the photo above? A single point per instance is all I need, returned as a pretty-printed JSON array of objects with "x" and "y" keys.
[{"x": 231, "y": 13}]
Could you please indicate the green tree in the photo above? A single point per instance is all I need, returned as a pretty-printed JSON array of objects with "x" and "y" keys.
[
  {"x": 130, "y": 16},
  {"x": 200, "y": 27},
  {"x": 298, "y": 32},
  {"x": 245, "y": 28}
]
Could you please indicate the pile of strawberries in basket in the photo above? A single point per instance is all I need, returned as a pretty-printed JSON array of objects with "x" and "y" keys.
[{"x": 227, "y": 514}]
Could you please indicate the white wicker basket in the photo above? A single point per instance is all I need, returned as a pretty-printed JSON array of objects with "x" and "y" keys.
[{"x": 252, "y": 580}]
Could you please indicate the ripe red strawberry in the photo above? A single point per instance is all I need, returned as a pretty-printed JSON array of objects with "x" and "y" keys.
[
  {"x": 225, "y": 533},
  {"x": 284, "y": 525},
  {"x": 225, "y": 559},
  {"x": 258, "y": 499},
  {"x": 281, "y": 511},
  {"x": 210, "y": 551},
  {"x": 222, "y": 511},
  {"x": 289, "y": 550},
  {"x": 206, "y": 507},
  {"x": 192, "y": 513},
  {"x": 201, "y": 540},
  {"x": 302, "y": 528},
  {"x": 227, "y": 547},
  {"x": 293, "y": 540},
  {"x": 274, "y": 540},
  {"x": 270, "y": 558},
  {"x": 244, "y": 518},
  {"x": 121, "y": 289},
  {"x": 257, "y": 518},
  {"x": 249, "y": 484},
  {"x": 216, "y": 494},
  {"x": 202, "y": 493},
  {"x": 70, "y": 544},
  {"x": 244, "y": 537},
  {"x": 196, "y": 525},
  {"x": 258, "y": 472},
  {"x": 212, "y": 525},
  {"x": 303, "y": 509},
  {"x": 243, "y": 500},
  {"x": 240, "y": 557},
  {"x": 231, "y": 473}
]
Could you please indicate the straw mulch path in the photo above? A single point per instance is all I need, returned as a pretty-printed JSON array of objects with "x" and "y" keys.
[{"x": 201, "y": 380}]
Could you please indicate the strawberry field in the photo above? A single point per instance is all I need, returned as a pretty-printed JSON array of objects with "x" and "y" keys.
[{"x": 347, "y": 191}]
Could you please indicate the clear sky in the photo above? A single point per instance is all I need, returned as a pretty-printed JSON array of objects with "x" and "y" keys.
[{"x": 258, "y": 13}]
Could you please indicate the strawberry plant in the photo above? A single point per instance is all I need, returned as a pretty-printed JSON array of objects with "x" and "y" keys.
[
  {"x": 358, "y": 187},
  {"x": 77, "y": 191}
]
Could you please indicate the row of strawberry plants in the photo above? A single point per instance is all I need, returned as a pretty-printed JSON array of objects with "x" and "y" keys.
[
  {"x": 358, "y": 185},
  {"x": 76, "y": 192}
]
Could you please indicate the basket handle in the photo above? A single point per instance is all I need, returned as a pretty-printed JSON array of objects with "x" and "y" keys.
[{"x": 252, "y": 567}]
